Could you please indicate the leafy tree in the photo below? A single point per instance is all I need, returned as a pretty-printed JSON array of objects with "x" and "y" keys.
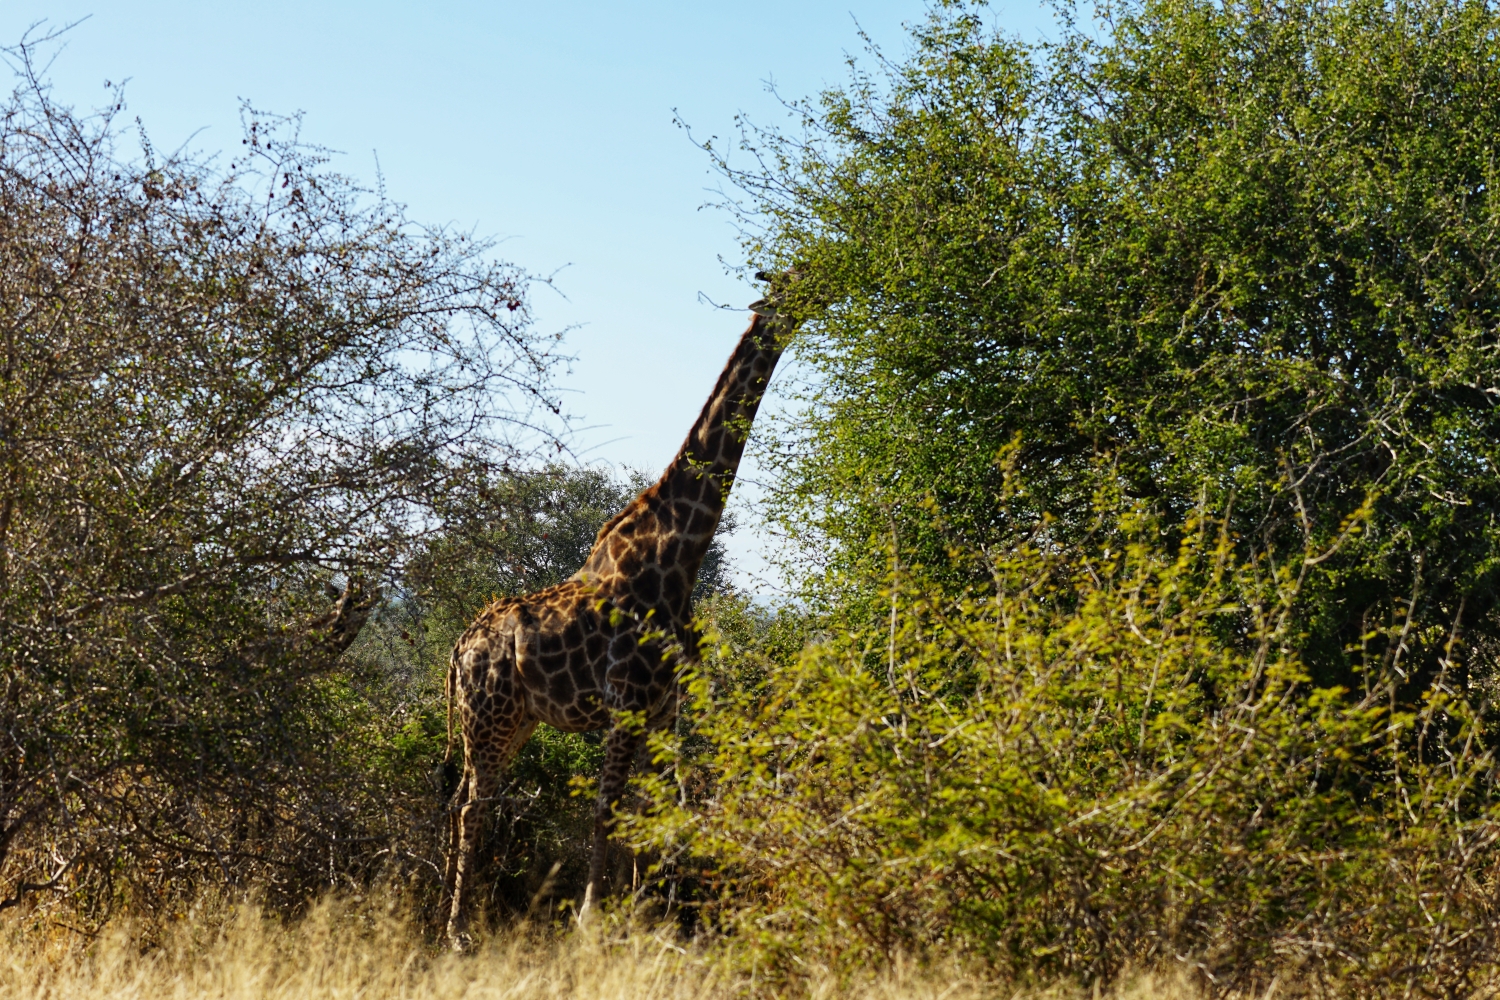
[
  {"x": 234, "y": 399},
  {"x": 1221, "y": 252},
  {"x": 1145, "y": 493}
]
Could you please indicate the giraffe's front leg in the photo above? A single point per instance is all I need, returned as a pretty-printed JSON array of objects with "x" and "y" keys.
[{"x": 625, "y": 738}]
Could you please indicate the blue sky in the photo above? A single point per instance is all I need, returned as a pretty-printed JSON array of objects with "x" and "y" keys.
[{"x": 549, "y": 125}]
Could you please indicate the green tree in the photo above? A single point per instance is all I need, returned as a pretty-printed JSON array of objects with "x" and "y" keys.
[
  {"x": 1233, "y": 253},
  {"x": 1145, "y": 493}
]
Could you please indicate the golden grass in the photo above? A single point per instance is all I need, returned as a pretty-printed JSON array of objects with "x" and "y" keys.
[{"x": 346, "y": 952}]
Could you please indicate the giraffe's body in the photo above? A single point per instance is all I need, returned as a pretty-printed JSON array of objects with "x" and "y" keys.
[{"x": 602, "y": 649}]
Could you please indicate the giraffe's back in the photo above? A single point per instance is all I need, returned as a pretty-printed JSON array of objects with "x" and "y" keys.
[{"x": 565, "y": 656}]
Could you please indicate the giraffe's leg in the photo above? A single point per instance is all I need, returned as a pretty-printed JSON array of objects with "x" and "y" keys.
[
  {"x": 663, "y": 718},
  {"x": 455, "y": 806},
  {"x": 470, "y": 823},
  {"x": 483, "y": 782},
  {"x": 619, "y": 754}
]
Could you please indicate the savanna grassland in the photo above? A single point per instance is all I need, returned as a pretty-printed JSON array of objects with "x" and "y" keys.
[{"x": 1139, "y": 481}]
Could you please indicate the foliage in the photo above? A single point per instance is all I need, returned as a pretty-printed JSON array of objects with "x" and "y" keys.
[
  {"x": 1144, "y": 496},
  {"x": 1219, "y": 251},
  {"x": 1068, "y": 772},
  {"x": 227, "y": 392}
]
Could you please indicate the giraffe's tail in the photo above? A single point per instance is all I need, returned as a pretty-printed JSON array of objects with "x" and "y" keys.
[{"x": 450, "y": 769}]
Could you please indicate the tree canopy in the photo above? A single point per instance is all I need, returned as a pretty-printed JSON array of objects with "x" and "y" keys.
[
  {"x": 1233, "y": 254},
  {"x": 1143, "y": 488}
]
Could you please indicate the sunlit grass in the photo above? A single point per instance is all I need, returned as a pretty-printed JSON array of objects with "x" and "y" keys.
[{"x": 344, "y": 951}]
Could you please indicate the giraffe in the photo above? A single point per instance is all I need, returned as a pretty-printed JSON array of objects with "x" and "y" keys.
[{"x": 603, "y": 648}]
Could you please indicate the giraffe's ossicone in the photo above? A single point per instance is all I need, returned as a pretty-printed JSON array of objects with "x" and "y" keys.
[{"x": 603, "y": 649}]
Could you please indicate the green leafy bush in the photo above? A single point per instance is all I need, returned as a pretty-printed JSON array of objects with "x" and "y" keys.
[{"x": 1069, "y": 770}]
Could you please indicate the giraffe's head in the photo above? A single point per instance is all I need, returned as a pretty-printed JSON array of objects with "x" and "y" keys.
[{"x": 773, "y": 305}]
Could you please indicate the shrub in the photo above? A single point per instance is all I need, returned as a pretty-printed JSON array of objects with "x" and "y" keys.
[{"x": 1069, "y": 770}]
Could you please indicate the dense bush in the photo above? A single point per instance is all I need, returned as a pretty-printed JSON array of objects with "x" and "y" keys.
[{"x": 1069, "y": 771}]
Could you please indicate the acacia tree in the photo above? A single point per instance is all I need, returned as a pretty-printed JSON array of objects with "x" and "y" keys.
[{"x": 233, "y": 397}]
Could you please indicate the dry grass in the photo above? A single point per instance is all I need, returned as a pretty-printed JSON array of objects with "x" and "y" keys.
[{"x": 344, "y": 952}]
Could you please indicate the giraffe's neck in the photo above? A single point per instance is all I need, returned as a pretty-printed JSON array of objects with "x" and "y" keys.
[{"x": 650, "y": 552}]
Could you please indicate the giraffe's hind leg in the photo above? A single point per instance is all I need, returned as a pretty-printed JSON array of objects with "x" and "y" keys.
[
  {"x": 483, "y": 769},
  {"x": 455, "y": 806},
  {"x": 478, "y": 790}
]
